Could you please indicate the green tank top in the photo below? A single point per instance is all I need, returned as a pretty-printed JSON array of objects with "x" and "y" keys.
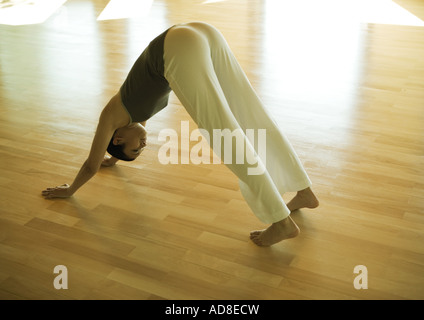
[{"x": 145, "y": 91}]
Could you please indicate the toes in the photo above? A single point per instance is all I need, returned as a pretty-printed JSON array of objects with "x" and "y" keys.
[
  {"x": 256, "y": 241},
  {"x": 255, "y": 233},
  {"x": 259, "y": 243},
  {"x": 255, "y": 236}
]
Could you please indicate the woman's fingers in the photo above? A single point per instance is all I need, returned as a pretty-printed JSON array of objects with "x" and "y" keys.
[{"x": 58, "y": 191}]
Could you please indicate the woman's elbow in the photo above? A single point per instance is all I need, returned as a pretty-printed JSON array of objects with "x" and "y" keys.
[{"x": 91, "y": 168}]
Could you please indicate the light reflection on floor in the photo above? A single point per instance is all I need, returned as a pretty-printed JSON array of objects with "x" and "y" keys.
[
  {"x": 314, "y": 63},
  {"x": 315, "y": 58}
]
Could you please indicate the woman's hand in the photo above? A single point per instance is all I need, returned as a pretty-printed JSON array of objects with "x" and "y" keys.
[
  {"x": 57, "y": 192},
  {"x": 109, "y": 161}
]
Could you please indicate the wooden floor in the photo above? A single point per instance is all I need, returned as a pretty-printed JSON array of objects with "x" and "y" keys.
[{"x": 348, "y": 93}]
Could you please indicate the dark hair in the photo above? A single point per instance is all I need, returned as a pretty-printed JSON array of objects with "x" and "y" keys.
[{"x": 117, "y": 151}]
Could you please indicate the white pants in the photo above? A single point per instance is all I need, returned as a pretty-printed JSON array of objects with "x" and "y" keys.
[{"x": 209, "y": 82}]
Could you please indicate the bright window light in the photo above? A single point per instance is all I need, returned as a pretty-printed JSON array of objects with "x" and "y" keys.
[
  {"x": 19, "y": 12},
  {"x": 212, "y": 1},
  {"x": 386, "y": 12},
  {"x": 121, "y": 9}
]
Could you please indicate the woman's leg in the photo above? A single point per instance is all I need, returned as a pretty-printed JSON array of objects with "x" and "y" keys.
[
  {"x": 190, "y": 72},
  {"x": 192, "y": 68},
  {"x": 282, "y": 161}
]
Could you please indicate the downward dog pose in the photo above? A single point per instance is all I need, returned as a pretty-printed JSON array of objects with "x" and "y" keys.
[{"x": 195, "y": 62}]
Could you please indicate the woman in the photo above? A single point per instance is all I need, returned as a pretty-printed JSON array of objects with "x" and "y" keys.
[{"x": 195, "y": 62}]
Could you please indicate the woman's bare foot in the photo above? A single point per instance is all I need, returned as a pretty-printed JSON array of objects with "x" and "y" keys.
[
  {"x": 287, "y": 228},
  {"x": 282, "y": 230},
  {"x": 303, "y": 199}
]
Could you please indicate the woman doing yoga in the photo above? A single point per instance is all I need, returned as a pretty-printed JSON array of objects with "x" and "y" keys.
[{"x": 195, "y": 62}]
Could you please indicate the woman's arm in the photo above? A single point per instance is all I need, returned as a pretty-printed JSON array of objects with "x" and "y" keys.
[{"x": 112, "y": 117}]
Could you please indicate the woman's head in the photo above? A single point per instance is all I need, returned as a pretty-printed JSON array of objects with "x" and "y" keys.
[{"x": 128, "y": 142}]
